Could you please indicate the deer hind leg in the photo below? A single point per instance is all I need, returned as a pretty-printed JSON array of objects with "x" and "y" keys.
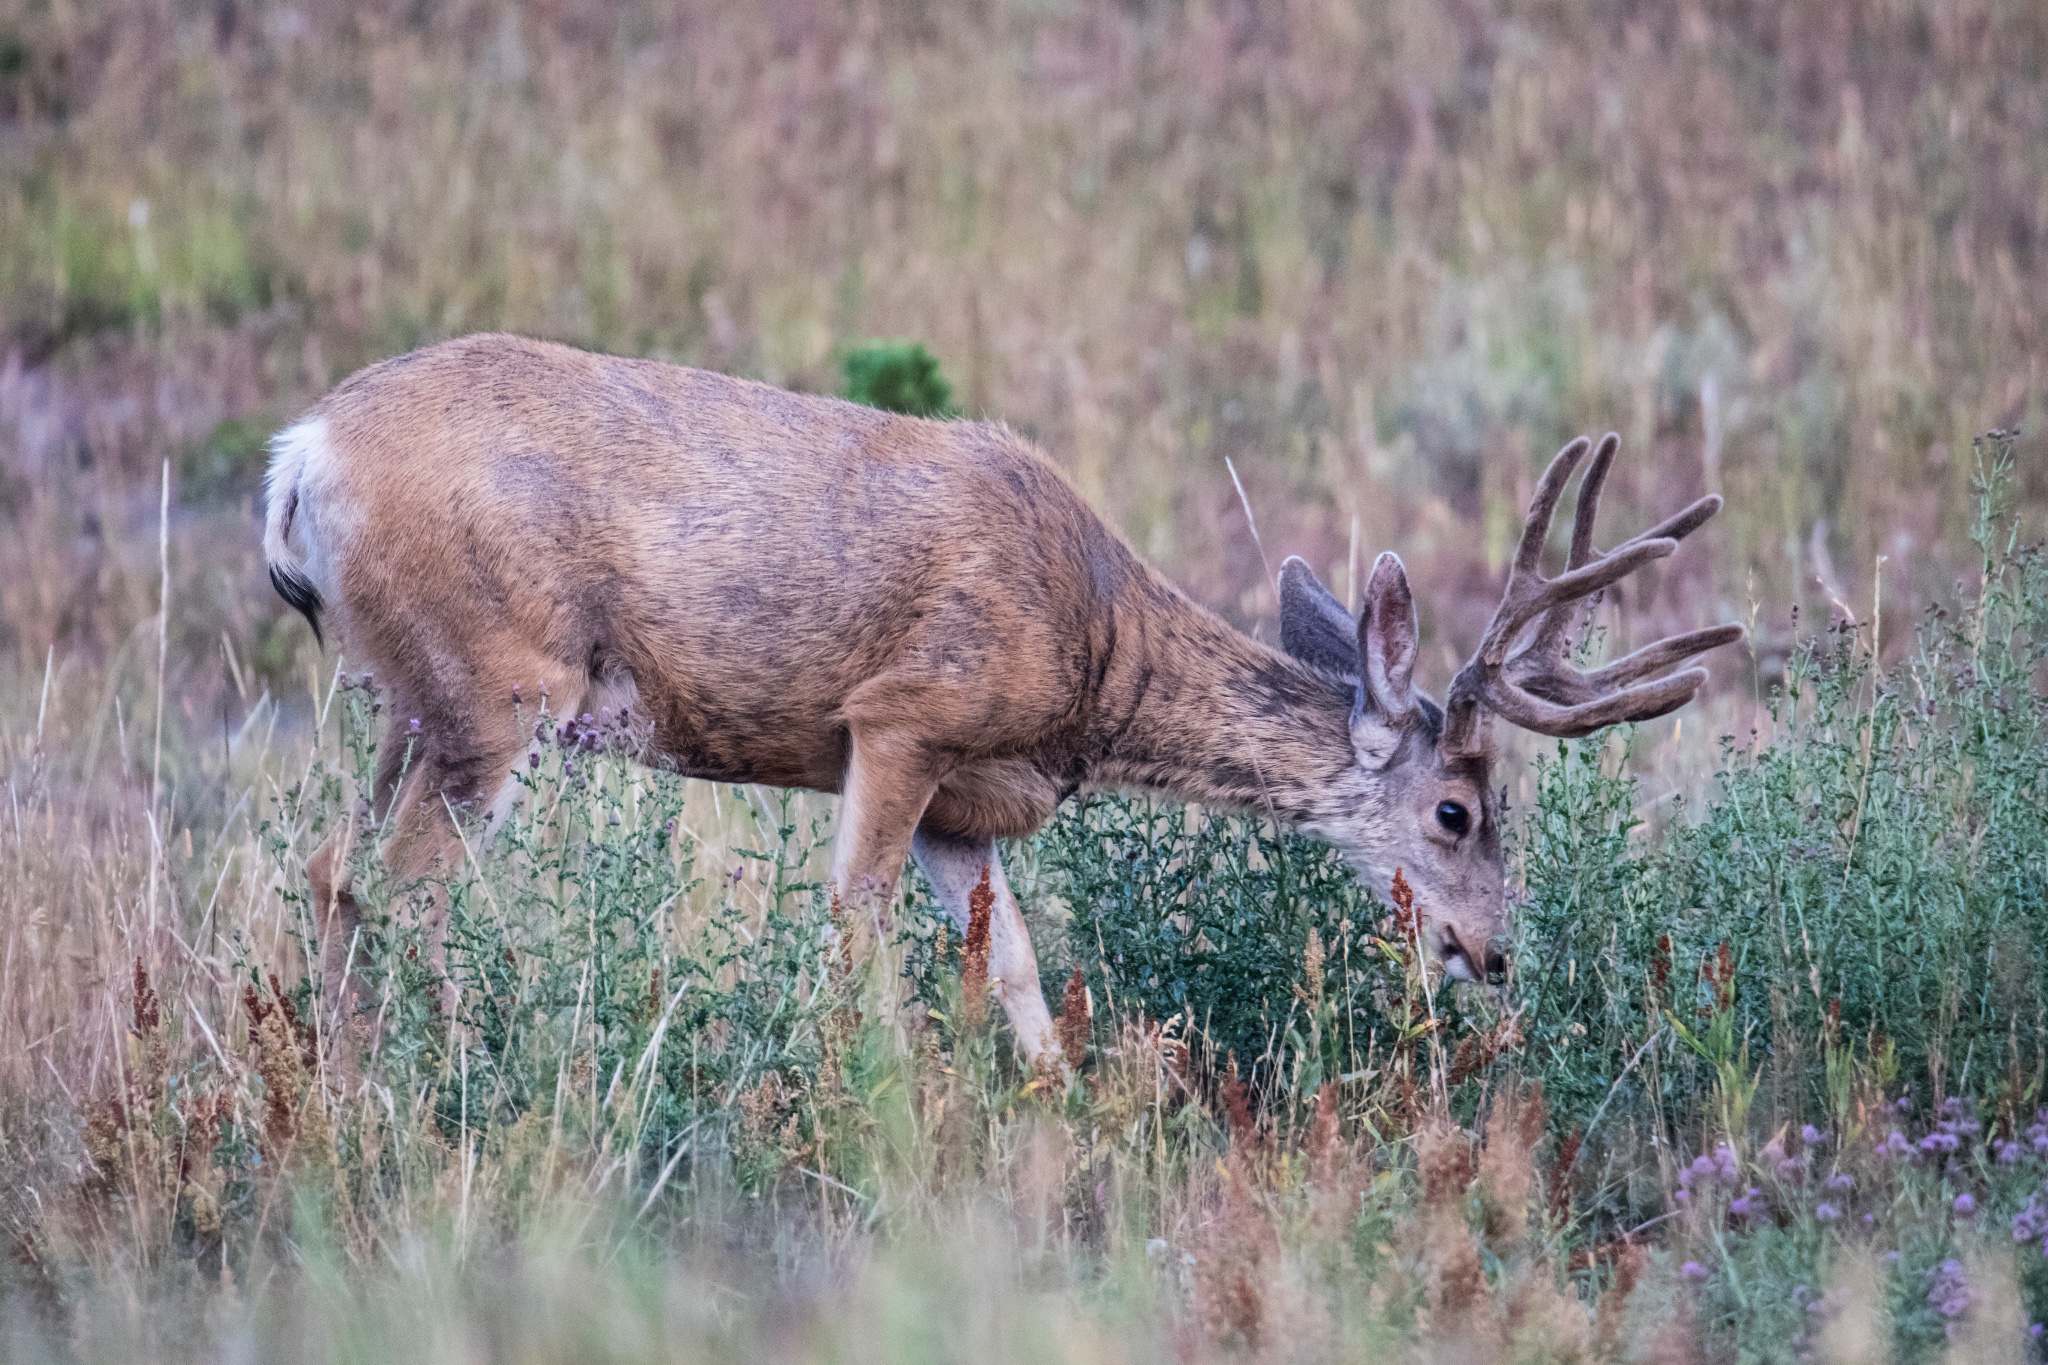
[
  {"x": 460, "y": 758},
  {"x": 953, "y": 866},
  {"x": 337, "y": 921}
]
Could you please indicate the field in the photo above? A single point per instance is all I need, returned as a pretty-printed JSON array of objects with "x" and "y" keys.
[{"x": 1767, "y": 1079}]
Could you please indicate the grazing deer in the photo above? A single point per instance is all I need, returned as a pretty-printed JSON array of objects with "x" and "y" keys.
[{"x": 922, "y": 616}]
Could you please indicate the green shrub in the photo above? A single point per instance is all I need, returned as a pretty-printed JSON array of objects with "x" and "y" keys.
[
  {"x": 1876, "y": 874},
  {"x": 897, "y": 376},
  {"x": 1178, "y": 912}
]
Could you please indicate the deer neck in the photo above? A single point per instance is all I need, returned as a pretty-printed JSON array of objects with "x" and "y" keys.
[{"x": 1210, "y": 715}]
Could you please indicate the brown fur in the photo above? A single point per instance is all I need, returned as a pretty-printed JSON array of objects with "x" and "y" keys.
[{"x": 794, "y": 590}]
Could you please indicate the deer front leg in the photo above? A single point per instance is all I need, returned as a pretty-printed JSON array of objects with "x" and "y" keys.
[
  {"x": 954, "y": 866},
  {"x": 887, "y": 786}
]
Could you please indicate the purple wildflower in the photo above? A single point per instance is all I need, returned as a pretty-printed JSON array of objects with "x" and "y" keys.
[
  {"x": 1811, "y": 1135},
  {"x": 1947, "y": 1292},
  {"x": 1841, "y": 1181},
  {"x": 1966, "y": 1205},
  {"x": 1692, "y": 1272},
  {"x": 1826, "y": 1213},
  {"x": 2030, "y": 1224}
]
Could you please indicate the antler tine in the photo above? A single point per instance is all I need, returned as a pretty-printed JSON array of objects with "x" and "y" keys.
[
  {"x": 1464, "y": 718},
  {"x": 1654, "y": 658},
  {"x": 1645, "y": 701},
  {"x": 1589, "y": 500},
  {"x": 1520, "y": 602},
  {"x": 1532, "y": 686},
  {"x": 1550, "y": 631},
  {"x": 1543, "y": 506},
  {"x": 1546, "y": 678}
]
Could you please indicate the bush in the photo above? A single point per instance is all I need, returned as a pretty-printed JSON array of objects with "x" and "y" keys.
[
  {"x": 1874, "y": 878},
  {"x": 897, "y": 376}
]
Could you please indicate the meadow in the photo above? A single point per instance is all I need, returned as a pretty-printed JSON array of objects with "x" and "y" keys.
[{"x": 1766, "y": 1081}]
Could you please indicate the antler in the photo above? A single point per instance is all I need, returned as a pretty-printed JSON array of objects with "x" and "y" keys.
[{"x": 1532, "y": 686}]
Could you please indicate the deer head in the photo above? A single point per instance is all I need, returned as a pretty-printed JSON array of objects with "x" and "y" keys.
[{"x": 1424, "y": 800}]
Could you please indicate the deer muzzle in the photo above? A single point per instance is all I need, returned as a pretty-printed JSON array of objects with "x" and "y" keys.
[{"x": 1463, "y": 964}]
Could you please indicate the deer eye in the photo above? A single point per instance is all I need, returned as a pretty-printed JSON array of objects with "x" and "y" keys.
[{"x": 1453, "y": 817}]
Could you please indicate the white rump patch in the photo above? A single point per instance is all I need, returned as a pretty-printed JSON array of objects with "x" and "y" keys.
[{"x": 300, "y": 473}]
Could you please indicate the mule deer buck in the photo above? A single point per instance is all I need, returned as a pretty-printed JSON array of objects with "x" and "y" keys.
[{"x": 922, "y": 616}]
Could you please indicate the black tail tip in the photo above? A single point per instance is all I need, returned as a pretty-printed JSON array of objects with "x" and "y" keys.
[{"x": 299, "y": 594}]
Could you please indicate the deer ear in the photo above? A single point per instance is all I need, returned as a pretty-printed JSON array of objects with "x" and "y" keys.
[
  {"x": 1388, "y": 639},
  {"x": 1314, "y": 627}
]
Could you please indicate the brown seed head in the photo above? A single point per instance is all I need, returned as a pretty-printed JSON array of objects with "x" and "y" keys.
[
  {"x": 148, "y": 1008},
  {"x": 974, "y": 954},
  {"x": 1407, "y": 926},
  {"x": 1077, "y": 1014}
]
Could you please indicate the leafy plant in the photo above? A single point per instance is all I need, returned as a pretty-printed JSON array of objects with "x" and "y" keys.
[{"x": 897, "y": 376}]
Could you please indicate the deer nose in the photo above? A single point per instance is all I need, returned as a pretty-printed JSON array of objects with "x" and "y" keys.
[{"x": 1458, "y": 960}]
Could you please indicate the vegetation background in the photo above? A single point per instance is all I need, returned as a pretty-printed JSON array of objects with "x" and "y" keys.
[{"x": 1371, "y": 262}]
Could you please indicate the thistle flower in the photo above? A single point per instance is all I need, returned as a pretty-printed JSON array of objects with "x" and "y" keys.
[{"x": 1948, "y": 1293}]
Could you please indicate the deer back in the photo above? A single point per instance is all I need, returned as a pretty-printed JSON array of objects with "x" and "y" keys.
[{"x": 753, "y": 559}]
